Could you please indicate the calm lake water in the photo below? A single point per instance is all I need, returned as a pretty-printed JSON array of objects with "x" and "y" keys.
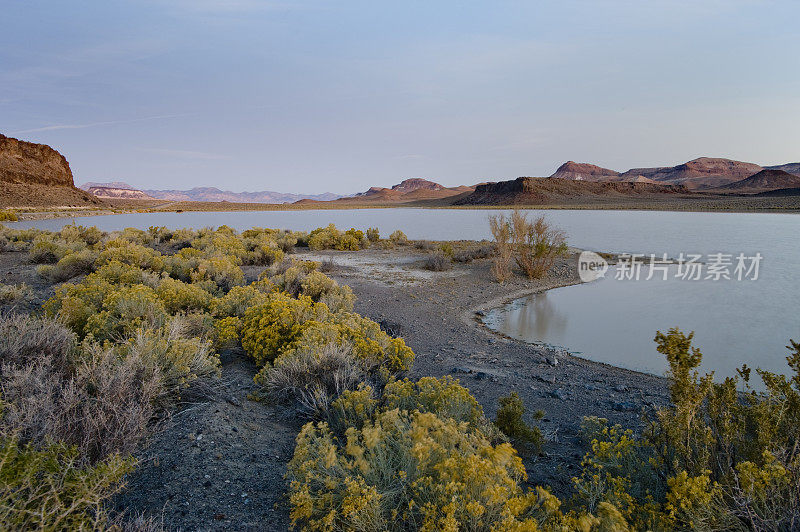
[{"x": 607, "y": 320}]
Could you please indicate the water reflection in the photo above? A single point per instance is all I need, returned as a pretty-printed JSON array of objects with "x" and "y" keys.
[{"x": 537, "y": 317}]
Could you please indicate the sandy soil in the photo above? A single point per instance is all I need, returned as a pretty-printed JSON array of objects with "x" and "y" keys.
[{"x": 219, "y": 464}]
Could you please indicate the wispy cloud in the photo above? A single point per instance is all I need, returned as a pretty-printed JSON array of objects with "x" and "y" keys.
[
  {"x": 186, "y": 154},
  {"x": 57, "y": 127}
]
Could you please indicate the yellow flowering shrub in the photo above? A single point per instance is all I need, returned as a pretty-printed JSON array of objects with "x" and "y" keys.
[
  {"x": 405, "y": 471},
  {"x": 269, "y": 328},
  {"x": 222, "y": 271},
  {"x": 239, "y": 299},
  {"x": 444, "y": 397},
  {"x": 124, "y": 310},
  {"x": 178, "y": 296},
  {"x": 227, "y": 331},
  {"x": 124, "y": 251}
]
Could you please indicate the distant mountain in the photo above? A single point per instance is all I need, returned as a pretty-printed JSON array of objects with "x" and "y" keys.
[
  {"x": 543, "y": 191},
  {"x": 792, "y": 168},
  {"x": 584, "y": 172},
  {"x": 212, "y": 194},
  {"x": 118, "y": 193},
  {"x": 408, "y": 191},
  {"x": 697, "y": 174},
  {"x": 111, "y": 184},
  {"x": 37, "y": 175},
  {"x": 764, "y": 181}
]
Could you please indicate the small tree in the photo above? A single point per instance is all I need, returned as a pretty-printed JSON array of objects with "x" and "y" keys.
[
  {"x": 536, "y": 244},
  {"x": 501, "y": 231}
]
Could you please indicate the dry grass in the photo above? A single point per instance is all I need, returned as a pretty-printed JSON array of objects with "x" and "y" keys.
[{"x": 501, "y": 230}]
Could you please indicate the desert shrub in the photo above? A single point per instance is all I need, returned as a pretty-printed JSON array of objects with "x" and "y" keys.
[
  {"x": 324, "y": 237},
  {"x": 501, "y": 231},
  {"x": 510, "y": 421},
  {"x": 536, "y": 244},
  {"x": 227, "y": 332},
  {"x": 8, "y": 216},
  {"x": 373, "y": 235},
  {"x": 98, "y": 399},
  {"x": 446, "y": 249},
  {"x": 183, "y": 263},
  {"x": 126, "y": 252},
  {"x": 474, "y": 253},
  {"x": 289, "y": 275},
  {"x": 49, "y": 249},
  {"x": 327, "y": 265},
  {"x": 444, "y": 397},
  {"x": 405, "y": 471},
  {"x": 116, "y": 272},
  {"x": 25, "y": 339},
  {"x": 135, "y": 236},
  {"x": 356, "y": 345},
  {"x": 398, "y": 238},
  {"x": 71, "y": 265},
  {"x": 178, "y": 296},
  {"x": 88, "y": 235},
  {"x": 221, "y": 271},
  {"x": 424, "y": 245},
  {"x": 714, "y": 460},
  {"x": 287, "y": 241},
  {"x": 438, "y": 263},
  {"x": 123, "y": 311},
  {"x": 263, "y": 255},
  {"x": 321, "y": 288},
  {"x": 179, "y": 360},
  {"x": 237, "y": 301},
  {"x": 53, "y": 489},
  {"x": 313, "y": 377},
  {"x": 268, "y": 328},
  {"x": 15, "y": 293}
]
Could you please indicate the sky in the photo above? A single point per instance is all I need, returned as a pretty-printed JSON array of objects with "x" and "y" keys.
[{"x": 313, "y": 96}]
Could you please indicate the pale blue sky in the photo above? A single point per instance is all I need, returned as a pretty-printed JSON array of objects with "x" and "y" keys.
[{"x": 309, "y": 96}]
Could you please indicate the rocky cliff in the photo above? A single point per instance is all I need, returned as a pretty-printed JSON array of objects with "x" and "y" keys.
[{"x": 36, "y": 175}]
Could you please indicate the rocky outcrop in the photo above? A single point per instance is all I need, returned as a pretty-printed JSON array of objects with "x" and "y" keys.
[
  {"x": 416, "y": 183},
  {"x": 28, "y": 163},
  {"x": 541, "y": 190},
  {"x": 584, "y": 172},
  {"x": 118, "y": 193},
  {"x": 36, "y": 175},
  {"x": 764, "y": 181},
  {"x": 792, "y": 168}
]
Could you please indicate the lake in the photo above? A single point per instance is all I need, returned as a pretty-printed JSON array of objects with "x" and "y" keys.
[{"x": 608, "y": 320}]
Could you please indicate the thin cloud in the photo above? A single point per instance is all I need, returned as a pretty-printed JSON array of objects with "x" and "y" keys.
[
  {"x": 96, "y": 124},
  {"x": 186, "y": 154}
]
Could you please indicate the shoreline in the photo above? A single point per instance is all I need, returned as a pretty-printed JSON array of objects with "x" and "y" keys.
[{"x": 736, "y": 205}]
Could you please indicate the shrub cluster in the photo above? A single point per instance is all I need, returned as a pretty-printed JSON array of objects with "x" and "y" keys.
[{"x": 331, "y": 238}]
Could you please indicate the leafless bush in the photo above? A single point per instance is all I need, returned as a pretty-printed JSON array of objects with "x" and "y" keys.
[
  {"x": 438, "y": 263},
  {"x": 536, "y": 244},
  {"x": 474, "y": 253},
  {"x": 501, "y": 231},
  {"x": 24, "y": 340},
  {"x": 425, "y": 245},
  {"x": 100, "y": 402},
  {"x": 314, "y": 378},
  {"x": 328, "y": 265}
]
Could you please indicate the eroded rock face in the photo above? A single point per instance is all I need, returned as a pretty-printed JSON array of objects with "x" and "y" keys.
[{"x": 30, "y": 163}]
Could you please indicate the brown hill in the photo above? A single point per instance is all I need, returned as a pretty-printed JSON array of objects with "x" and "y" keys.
[
  {"x": 584, "y": 172},
  {"x": 540, "y": 191},
  {"x": 118, "y": 193},
  {"x": 705, "y": 172},
  {"x": 764, "y": 181},
  {"x": 792, "y": 168},
  {"x": 37, "y": 175},
  {"x": 416, "y": 183}
]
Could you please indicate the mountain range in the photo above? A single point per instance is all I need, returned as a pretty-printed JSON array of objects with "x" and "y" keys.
[
  {"x": 118, "y": 189},
  {"x": 704, "y": 173}
]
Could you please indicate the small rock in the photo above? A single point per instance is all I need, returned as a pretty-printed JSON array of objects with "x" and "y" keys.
[
  {"x": 552, "y": 360},
  {"x": 558, "y": 394},
  {"x": 624, "y": 406},
  {"x": 621, "y": 388},
  {"x": 480, "y": 313}
]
